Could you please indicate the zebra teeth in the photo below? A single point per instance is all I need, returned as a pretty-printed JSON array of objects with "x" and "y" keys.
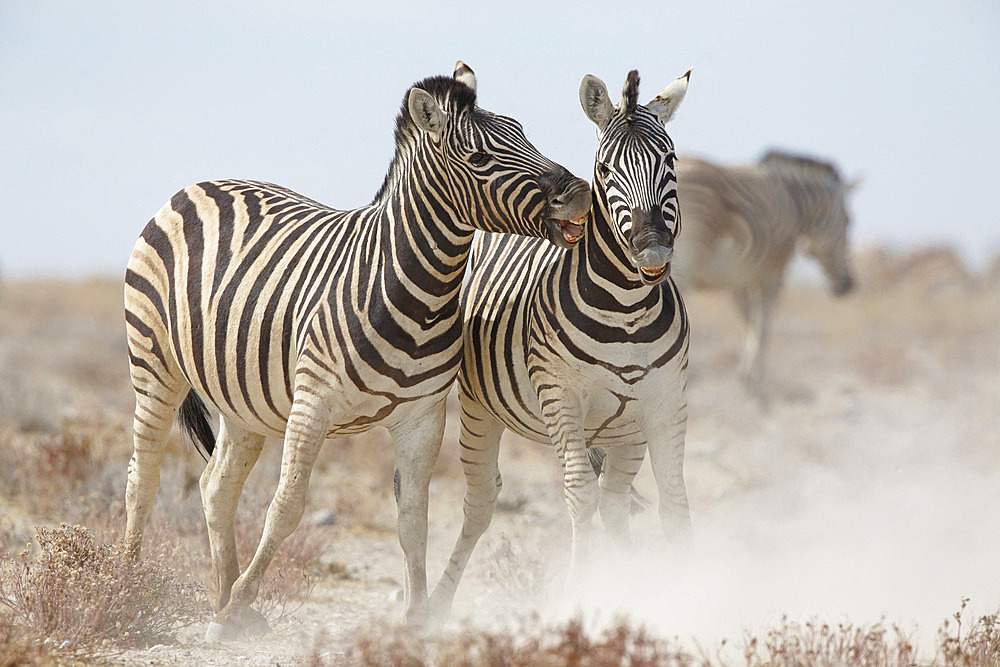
[
  {"x": 572, "y": 230},
  {"x": 653, "y": 272}
]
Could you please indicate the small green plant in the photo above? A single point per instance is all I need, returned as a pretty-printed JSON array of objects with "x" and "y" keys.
[{"x": 79, "y": 595}]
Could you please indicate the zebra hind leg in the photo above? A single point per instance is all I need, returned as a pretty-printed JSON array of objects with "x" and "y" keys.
[
  {"x": 480, "y": 448},
  {"x": 308, "y": 424},
  {"x": 159, "y": 390},
  {"x": 154, "y": 415},
  {"x": 237, "y": 450}
]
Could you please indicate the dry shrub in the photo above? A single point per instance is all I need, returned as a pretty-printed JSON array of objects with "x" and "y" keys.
[
  {"x": 822, "y": 644},
  {"x": 568, "y": 644},
  {"x": 979, "y": 646},
  {"x": 17, "y": 649},
  {"x": 84, "y": 596}
]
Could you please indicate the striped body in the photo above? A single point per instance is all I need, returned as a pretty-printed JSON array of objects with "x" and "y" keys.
[
  {"x": 586, "y": 347},
  {"x": 743, "y": 225},
  {"x": 261, "y": 279},
  {"x": 299, "y": 321}
]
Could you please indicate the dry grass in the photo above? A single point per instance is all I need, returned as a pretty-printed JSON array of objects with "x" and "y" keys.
[
  {"x": 83, "y": 596},
  {"x": 826, "y": 645},
  {"x": 792, "y": 644},
  {"x": 567, "y": 644},
  {"x": 979, "y": 645}
]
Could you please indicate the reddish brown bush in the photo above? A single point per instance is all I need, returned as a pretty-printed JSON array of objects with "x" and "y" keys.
[
  {"x": 84, "y": 596},
  {"x": 569, "y": 644}
]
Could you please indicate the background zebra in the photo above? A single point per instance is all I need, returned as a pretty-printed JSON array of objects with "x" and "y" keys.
[
  {"x": 742, "y": 226},
  {"x": 586, "y": 347},
  {"x": 293, "y": 319}
]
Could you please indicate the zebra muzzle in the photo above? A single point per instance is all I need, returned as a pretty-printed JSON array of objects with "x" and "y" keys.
[{"x": 654, "y": 264}]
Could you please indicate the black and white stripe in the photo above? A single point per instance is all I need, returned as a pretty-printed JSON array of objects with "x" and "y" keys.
[
  {"x": 299, "y": 321},
  {"x": 586, "y": 347},
  {"x": 744, "y": 223}
]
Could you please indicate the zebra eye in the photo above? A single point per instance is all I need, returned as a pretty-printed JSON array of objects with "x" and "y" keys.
[
  {"x": 479, "y": 159},
  {"x": 603, "y": 169}
]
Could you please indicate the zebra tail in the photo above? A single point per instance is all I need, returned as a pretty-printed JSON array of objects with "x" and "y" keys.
[
  {"x": 193, "y": 420},
  {"x": 639, "y": 502}
]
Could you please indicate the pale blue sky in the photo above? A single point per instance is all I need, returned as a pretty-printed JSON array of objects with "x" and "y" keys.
[{"x": 108, "y": 108}]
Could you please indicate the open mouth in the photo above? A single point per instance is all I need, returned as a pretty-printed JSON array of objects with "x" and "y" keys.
[
  {"x": 572, "y": 230},
  {"x": 653, "y": 272}
]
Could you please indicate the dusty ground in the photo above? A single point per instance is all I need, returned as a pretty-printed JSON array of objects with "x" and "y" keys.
[{"x": 868, "y": 487}]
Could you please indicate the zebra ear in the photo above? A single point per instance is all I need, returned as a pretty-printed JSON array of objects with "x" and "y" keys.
[
  {"x": 665, "y": 104},
  {"x": 464, "y": 74},
  {"x": 425, "y": 112},
  {"x": 595, "y": 101}
]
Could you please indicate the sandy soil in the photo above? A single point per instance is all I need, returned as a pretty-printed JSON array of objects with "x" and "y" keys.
[{"x": 869, "y": 485}]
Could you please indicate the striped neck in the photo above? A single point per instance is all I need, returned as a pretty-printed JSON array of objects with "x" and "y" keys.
[{"x": 417, "y": 238}]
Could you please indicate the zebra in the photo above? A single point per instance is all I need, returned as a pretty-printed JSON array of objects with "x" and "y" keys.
[
  {"x": 743, "y": 224},
  {"x": 586, "y": 347},
  {"x": 296, "y": 320}
]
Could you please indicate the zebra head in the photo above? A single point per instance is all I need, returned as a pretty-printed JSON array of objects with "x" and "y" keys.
[
  {"x": 634, "y": 178},
  {"x": 495, "y": 176},
  {"x": 828, "y": 244}
]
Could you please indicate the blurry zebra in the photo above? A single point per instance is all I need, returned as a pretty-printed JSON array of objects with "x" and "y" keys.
[
  {"x": 741, "y": 228},
  {"x": 586, "y": 347},
  {"x": 296, "y": 320}
]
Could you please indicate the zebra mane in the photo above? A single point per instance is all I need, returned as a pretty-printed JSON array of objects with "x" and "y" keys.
[
  {"x": 630, "y": 93},
  {"x": 801, "y": 164},
  {"x": 452, "y": 95}
]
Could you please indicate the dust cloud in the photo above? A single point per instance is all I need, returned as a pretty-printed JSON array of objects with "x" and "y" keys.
[{"x": 866, "y": 489}]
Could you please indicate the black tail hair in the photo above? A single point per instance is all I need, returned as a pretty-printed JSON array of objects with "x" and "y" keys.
[
  {"x": 193, "y": 419},
  {"x": 639, "y": 502}
]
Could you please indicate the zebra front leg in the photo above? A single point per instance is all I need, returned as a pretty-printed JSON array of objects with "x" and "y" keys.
[
  {"x": 562, "y": 413},
  {"x": 236, "y": 452},
  {"x": 308, "y": 424},
  {"x": 621, "y": 464},
  {"x": 418, "y": 442},
  {"x": 480, "y": 448},
  {"x": 666, "y": 456}
]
